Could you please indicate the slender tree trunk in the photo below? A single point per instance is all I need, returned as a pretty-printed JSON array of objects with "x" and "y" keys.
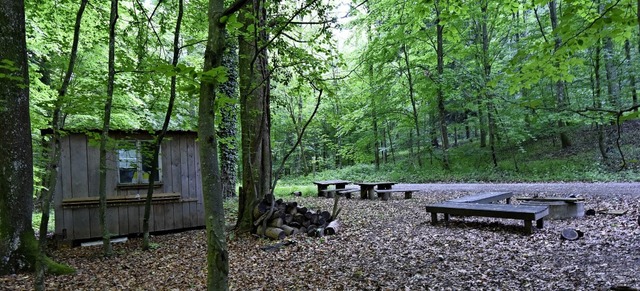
[
  {"x": 106, "y": 240},
  {"x": 440, "y": 94},
  {"x": 638, "y": 19},
  {"x": 632, "y": 73},
  {"x": 486, "y": 70},
  {"x": 374, "y": 117},
  {"x": 613, "y": 88},
  {"x": 53, "y": 150},
  {"x": 158, "y": 140},
  {"x": 482, "y": 121},
  {"x": 228, "y": 126},
  {"x": 393, "y": 154},
  {"x": 559, "y": 86},
  {"x": 414, "y": 107},
  {"x": 597, "y": 102}
]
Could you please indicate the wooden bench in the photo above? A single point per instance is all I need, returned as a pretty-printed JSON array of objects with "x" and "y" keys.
[
  {"x": 385, "y": 194},
  {"x": 522, "y": 212},
  {"x": 486, "y": 197},
  {"x": 324, "y": 185},
  {"x": 552, "y": 199},
  {"x": 559, "y": 207},
  {"x": 329, "y": 193}
]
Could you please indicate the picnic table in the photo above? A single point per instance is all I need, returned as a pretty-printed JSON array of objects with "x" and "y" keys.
[
  {"x": 324, "y": 185},
  {"x": 367, "y": 191}
]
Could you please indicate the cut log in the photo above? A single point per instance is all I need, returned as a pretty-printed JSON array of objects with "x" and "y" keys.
[
  {"x": 571, "y": 234},
  {"x": 326, "y": 215},
  {"x": 261, "y": 208},
  {"x": 272, "y": 232},
  {"x": 315, "y": 232},
  {"x": 276, "y": 222},
  {"x": 292, "y": 209},
  {"x": 332, "y": 228},
  {"x": 295, "y": 224},
  {"x": 288, "y": 230},
  {"x": 288, "y": 218},
  {"x": 302, "y": 210},
  {"x": 321, "y": 221},
  {"x": 299, "y": 218},
  {"x": 260, "y": 219}
]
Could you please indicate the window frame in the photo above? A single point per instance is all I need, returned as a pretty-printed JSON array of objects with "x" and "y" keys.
[{"x": 136, "y": 159}]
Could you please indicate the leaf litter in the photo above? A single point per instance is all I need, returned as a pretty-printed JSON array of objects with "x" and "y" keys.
[{"x": 383, "y": 245}]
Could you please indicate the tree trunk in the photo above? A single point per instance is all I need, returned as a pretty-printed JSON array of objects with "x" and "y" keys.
[
  {"x": 632, "y": 73},
  {"x": 228, "y": 125},
  {"x": 613, "y": 87},
  {"x": 158, "y": 140},
  {"x": 440, "y": 94},
  {"x": 597, "y": 103},
  {"x": 53, "y": 152},
  {"x": 486, "y": 69},
  {"x": 255, "y": 113},
  {"x": 413, "y": 104},
  {"x": 18, "y": 248},
  {"x": 217, "y": 255},
  {"x": 106, "y": 241},
  {"x": 560, "y": 98}
]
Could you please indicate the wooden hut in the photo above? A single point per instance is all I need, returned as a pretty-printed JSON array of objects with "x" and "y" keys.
[{"x": 177, "y": 198}]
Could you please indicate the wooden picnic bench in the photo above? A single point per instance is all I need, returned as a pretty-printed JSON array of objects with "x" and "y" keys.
[
  {"x": 324, "y": 185},
  {"x": 367, "y": 188},
  {"x": 485, "y": 197},
  {"x": 522, "y": 212},
  {"x": 385, "y": 194},
  {"x": 329, "y": 193}
]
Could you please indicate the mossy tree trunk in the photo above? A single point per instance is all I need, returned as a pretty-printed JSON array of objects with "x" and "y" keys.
[
  {"x": 227, "y": 130},
  {"x": 16, "y": 165},
  {"x": 18, "y": 246},
  {"x": 217, "y": 255}
]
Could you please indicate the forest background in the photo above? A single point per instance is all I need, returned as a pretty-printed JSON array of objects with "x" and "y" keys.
[{"x": 433, "y": 92}]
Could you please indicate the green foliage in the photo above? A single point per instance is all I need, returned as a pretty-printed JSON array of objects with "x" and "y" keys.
[{"x": 37, "y": 217}]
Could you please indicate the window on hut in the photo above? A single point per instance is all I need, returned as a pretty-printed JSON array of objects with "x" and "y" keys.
[{"x": 134, "y": 163}]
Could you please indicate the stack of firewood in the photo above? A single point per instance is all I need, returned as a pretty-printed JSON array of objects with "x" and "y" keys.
[{"x": 277, "y": 219}]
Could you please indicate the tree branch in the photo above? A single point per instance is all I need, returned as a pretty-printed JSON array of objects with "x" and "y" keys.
[
  {"x": 304, "y": 128},
  {"x": 234, "y": 7}
]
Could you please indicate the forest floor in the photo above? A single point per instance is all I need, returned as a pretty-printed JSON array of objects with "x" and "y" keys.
[{"x": 390, "y": 245}]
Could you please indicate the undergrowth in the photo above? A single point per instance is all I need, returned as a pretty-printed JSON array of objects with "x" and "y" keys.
[{"x": 540, "y": 160}]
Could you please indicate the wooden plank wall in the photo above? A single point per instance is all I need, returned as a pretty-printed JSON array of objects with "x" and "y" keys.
[{"x": 78, "y": 176}]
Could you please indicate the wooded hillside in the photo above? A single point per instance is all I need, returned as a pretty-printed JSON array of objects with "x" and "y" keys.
[{"x": 382, "y": 79}]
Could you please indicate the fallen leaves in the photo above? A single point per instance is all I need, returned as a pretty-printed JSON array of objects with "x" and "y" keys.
[{"x": 383, "y": 245}]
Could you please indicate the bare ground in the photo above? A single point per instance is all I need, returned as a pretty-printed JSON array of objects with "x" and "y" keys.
[{"x": 391, "y": 245}]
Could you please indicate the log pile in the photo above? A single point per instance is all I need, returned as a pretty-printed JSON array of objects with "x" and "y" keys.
[{"x": 277, "y": 219}]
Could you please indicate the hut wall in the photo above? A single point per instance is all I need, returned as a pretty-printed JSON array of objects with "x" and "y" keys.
[{"x": 78, "y": 177}]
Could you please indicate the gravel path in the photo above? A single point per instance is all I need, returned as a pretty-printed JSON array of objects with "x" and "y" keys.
[{"x": 591, "y": 189}]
